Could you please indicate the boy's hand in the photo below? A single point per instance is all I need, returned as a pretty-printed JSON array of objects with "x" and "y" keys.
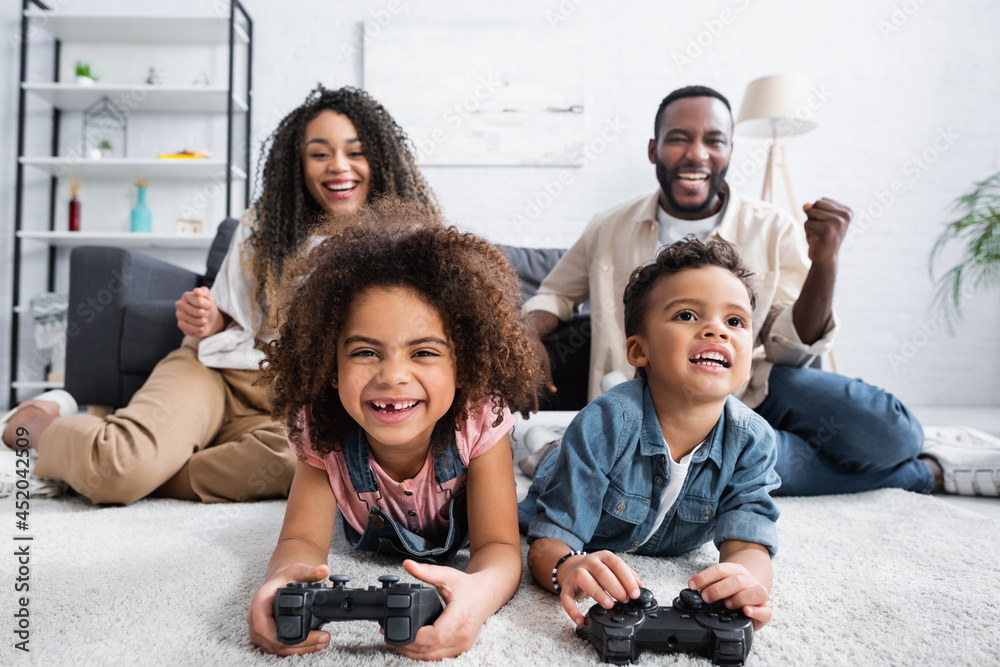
[
  {"x": 601, "y": 575},
  {"x": 733, "y": 583},
  {"x": 457, "y": 627},
  {"x": 260, "y": 618}
]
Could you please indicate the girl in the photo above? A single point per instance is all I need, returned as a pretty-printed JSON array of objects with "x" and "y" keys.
[
  {"x": 199, "y": 429},
  {"x": 396, "y": 370}
]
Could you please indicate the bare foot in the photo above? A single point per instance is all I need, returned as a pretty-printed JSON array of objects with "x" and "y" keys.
[{"x": 33, "y": 416}]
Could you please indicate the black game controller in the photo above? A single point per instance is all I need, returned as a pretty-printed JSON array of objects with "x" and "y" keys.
[
  {"x": 401, "y": 609},
  {"x": 690, "y": 626}
]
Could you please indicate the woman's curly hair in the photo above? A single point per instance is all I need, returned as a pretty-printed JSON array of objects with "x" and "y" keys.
[
  {"x": 393, "y": 244},
  {"x": 285, "y": 211}
]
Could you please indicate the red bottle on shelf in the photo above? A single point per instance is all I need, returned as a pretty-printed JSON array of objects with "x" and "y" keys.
[{"x": 74, "y": 208}]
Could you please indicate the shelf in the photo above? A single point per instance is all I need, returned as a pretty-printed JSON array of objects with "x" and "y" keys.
[
  {"x": 179, "y": 168},
  {"x": 120, "y": 239},
  {"x": 137, "y": 97},
  {"x": 135, "y": 29},
  {"x": 36, "y": 384}
]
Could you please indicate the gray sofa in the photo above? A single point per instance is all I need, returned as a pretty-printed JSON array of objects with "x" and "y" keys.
[{"x": 122, "y": 321}]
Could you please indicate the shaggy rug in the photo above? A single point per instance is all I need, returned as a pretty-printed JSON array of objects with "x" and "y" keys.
[{"x": 880, "y": 578}]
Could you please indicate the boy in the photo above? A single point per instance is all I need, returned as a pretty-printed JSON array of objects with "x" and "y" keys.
[{"x": 663, "y": 463}]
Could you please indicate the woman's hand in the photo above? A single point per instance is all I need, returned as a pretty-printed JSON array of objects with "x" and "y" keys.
[
  {"x": 260, "y": 617},
  {"x": 198, "y": 314}
]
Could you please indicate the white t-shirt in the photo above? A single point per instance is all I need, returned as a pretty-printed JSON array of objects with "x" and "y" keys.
[
  {"x": 671, "y": 229},
  {"x": 677, "y": 474}
]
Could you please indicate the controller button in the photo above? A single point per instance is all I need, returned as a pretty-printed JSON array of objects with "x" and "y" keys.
[
  {"x": 297, "y": 585},
  {"x": 289, "y": 627},
  {"x": 397, "y": 601},
  {"x": 600, "y": 611},
  {"x": 689, "y": 600},
  {"x": 339, "y": 580},
  {"x": 730, "y": 648},
  {"x": 619, "y": 646},
  {"x": 290, "y": 601},
  {"x": 618, "y": 618},
  {"x": 397, "y": 629},
  {"x": 388, "y": 580}
]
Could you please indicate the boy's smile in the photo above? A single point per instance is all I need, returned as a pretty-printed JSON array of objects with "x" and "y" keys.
[
  {"x": 695, "y": 342},
  {"x": 395, "y": 371}
]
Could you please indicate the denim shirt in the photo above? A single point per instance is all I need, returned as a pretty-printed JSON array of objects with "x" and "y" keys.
[{"x": 603, "y": 489}]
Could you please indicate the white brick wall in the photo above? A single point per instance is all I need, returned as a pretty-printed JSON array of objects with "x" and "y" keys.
[{"x": 897, "y": 73}]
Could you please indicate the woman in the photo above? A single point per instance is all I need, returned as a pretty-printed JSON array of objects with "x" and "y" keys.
[{"x": 199, "y": 429}]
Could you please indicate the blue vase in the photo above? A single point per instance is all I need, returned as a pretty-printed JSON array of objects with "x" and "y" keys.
[{"x": 142, "y": 218}]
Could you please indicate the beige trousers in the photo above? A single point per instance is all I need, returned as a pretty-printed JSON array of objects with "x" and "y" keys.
[{"x": 212, "y": 419}]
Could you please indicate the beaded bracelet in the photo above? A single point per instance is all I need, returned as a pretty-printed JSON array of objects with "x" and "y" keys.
[{"x": 555, "y": 582}]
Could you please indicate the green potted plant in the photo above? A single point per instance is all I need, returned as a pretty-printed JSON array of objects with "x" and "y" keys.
[
  {"x": 83, "y": 75},
  {"x": 106, "y": 149},
  {"x": 978, "y": 231}
]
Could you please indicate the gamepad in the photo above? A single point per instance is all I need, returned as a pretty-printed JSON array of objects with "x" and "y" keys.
[
  {"x": 690, "y": 625},
  {"x": 401, "y": 609}
]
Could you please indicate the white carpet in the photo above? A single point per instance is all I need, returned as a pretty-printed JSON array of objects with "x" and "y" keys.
[{"x": 881, "y": 578}]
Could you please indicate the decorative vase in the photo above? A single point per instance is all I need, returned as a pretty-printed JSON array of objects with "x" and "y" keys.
[{"x": 142, "y": 218}]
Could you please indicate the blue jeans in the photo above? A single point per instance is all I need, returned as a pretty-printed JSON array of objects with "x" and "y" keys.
[{"x": 839, "y": 435}]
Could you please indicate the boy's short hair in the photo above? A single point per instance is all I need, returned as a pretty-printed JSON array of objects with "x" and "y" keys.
[{"x": 688, "y": 253}]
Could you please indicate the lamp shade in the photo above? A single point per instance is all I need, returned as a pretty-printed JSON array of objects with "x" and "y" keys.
[{"x": 777, "y": 106}]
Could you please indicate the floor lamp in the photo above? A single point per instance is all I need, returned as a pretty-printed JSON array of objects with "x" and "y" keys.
[{"x": 778, "y": 106}]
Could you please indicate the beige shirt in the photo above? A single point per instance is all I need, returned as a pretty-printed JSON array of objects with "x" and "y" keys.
[{"x": 617, "y": 241}]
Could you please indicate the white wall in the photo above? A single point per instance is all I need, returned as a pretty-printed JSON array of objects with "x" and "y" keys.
[{"x": 898, "y": 76}]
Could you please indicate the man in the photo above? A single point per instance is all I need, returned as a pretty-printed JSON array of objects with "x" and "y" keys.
[{"x": 834, "y": 434}]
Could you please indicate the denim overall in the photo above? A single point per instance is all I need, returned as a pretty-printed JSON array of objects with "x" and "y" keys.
[{"x": 382, "y": 534}]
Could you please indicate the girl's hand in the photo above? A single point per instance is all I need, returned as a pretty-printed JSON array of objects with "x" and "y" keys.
[
  {"x": 733, "y": 583},
  {"x": 260, "y": 618},
  {"x": 601, "y": 575},
  {"x": 197, "y": 313},
  {"x": 457, "y": 627}
]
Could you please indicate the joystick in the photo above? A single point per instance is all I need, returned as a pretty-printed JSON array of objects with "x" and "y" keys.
[
  {"x": 401, "y": 609},
  {"x": 690, "y": 625}
]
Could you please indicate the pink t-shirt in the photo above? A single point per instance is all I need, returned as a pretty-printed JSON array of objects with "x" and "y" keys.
[{"x": 420, "y": 504}]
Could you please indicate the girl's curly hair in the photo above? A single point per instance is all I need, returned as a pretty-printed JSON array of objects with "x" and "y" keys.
[
  {"x": 285, "y": 211},
  {"x": 394, "y": 244}
]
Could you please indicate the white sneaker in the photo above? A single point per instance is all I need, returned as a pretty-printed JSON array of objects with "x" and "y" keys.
[
  {"x": 13, "y": 468},
  {"x": 969, "y": 458},
  {"x": 537, "y": 437}
]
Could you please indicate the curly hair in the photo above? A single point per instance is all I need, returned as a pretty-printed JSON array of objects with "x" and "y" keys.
[
  {"x": 688, "y": 253},
  {"x": 392, "y": 244},
  {"x": 285, "y": 211}
]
